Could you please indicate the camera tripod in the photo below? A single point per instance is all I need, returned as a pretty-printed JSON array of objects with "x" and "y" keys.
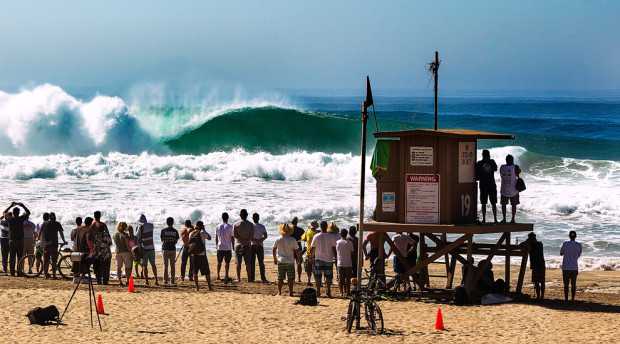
[{"x": 91, "y": 301}]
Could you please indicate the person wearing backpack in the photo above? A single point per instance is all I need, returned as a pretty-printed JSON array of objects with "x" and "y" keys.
[
  {"x": 49, "y": 232},
  {"x": 198, "y": 252}
]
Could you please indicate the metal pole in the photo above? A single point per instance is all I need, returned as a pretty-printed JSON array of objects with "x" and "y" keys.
[
  {"x": 435, "y": 71},
  {"x": 360, "y": 259}
]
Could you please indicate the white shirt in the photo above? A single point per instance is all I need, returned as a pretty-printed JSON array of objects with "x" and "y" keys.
[
  {"x": 401, "y": 241},
  {"x": 286, "y": 246},
  {"x": 323, "y": 243},
  {"x": 71, "y": 236},
  {"x": 571, "y": 250},
  {"x": 344, "y": 248},
  {"x": 224, "y": 233},
  {"x": 37, "y": 231},
  {"x": 509, "y": 181},
  {"x": 29, "y": 229},
  {"x": 258, "y": 233}
]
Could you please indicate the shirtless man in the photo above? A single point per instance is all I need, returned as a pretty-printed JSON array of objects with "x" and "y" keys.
[{"x": 185, "y": 255}]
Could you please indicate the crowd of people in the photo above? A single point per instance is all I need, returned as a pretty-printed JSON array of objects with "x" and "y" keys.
[{"x": 319, "y": 249}]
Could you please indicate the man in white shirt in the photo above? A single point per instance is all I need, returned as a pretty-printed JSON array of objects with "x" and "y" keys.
[
  {"x": 288, "y": 255},
  {"x": 401, "y": 241},
  {"x": 324, "y": 250},
  {"x": 224, "y": 242},
  {"x": 29, "y": 229},
  {"x": 345, "y": 253},
  {"x": 571, "y": 251},
  {"x": 509, "y": 174},
  {"x": 258, "y": 252}
]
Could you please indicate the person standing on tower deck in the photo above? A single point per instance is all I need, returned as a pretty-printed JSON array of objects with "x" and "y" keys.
[
  {"x": 258, "y": 252},
  {"x": 570, "y": 251},
  {"x": 224, "y": 243},
  {"x": 243, "y": 230},
  {"x": 485, "y": 173},
  {"x": 509, "y": 192}
]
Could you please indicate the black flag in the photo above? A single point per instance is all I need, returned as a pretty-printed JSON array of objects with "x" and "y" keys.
[{"x": 369, "y": 102}]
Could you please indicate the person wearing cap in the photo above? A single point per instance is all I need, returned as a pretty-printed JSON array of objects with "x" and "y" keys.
[
  {"x": 307, "y": 237},
  {"x": 243, "y": 231},
  {"x": 297, "y": 234},
  {"x": 288, "y": 254},
  {"x": 324, "y": 247},
  {"x": 258, "y": 252}
]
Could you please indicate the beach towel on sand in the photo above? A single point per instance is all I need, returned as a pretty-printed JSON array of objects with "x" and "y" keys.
[{"x": 380, "y": 157}]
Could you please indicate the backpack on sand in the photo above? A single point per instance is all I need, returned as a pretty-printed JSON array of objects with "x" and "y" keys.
[
  {"x": 307, "y": 298},
  {"x": 43, "y": 316}
]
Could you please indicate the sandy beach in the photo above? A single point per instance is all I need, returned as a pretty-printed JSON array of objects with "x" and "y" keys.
[{"x": 249, "y": 312}]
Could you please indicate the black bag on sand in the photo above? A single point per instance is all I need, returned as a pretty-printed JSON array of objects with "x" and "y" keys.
[
  {"x": 307, "y": 298},
  {"x": 43, "y": 316},
  {"x": 520, "y": 184},
  {"x": 460, "y": 296}
]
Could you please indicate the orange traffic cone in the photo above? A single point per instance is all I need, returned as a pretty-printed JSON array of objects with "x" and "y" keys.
[
  {"x": 131, "y": 289},
  {"x": 100, "y": 306},
  {"x": 439, "y": 321}
]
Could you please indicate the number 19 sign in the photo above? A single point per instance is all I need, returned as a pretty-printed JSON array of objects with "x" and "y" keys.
[{"x": 422, "y": 192}]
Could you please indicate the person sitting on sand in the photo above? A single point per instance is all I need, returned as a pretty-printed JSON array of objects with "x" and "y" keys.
[
  {"x": 345, "y": 253},
  {"x": 258, "y": 252},
  {"x": 243, "y": 230},
  {"x": 298, "y": 232},
  {"x": 224, "y": 242},
  {"x": 169, "y": 237},
  {"x": 145, "y": 233},
  {"x": 324, "y": 248},
  {"x": 537, "y": 264},
  {"x": 16, "y": 233},
  {"x": 485, "y": 173},
  {"x": 123, "y": 254},
  {"x": 287, "y": 255},
  {"x": 185, "y": 255},
  {"x": 570, "y": 251},
  {"x": 509, "y": 174},
  {"x": 307, "y": 237},
  {"x": 482, "y": 284},
  {"x": 49, "y": 233},
  {"x": 200, "y": 262}
]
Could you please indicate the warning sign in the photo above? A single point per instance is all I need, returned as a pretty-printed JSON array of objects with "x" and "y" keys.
[
  {"x": 422, "y": 203},
  {"x": 388, "y": 202}
]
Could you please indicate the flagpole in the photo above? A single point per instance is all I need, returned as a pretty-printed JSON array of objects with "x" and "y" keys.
[{"x": 360, "y": 258}]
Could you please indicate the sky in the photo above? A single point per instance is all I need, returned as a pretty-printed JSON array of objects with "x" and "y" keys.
[{"x": 486, "y": 45}]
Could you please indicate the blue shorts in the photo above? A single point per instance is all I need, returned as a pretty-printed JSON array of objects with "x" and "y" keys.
[
  {"x": 322, "y": 268},
  {"x": 149, "y": 257}
]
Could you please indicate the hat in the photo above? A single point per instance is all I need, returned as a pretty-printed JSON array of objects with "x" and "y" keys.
[
  {"x": 314, "y": 224},
  {"x": 332, "y": 228},
  {"x": 285, "y": 229}
]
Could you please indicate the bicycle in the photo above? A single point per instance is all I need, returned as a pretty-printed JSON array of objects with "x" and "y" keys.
[
  {"x": 394, "y": 290},
  {"x": 63, "y": 265},
  {"x": 372, "y": 311}
]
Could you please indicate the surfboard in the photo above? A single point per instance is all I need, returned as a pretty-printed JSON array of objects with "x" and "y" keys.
[{"x": 490, "y": 299}]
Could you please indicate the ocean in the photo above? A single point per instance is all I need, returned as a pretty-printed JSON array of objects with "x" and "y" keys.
[{"x": 297, "y": 153}]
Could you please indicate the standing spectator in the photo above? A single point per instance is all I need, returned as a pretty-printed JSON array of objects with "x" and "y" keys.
[
  {"x": 201, "y": 263},
  {"x": 133, "y": 242},
  {"x": 78, "y": 223},
  {"x": 258, "y": 252},
  {"x": 102, "y": 251},
  {"x": 508, "y": 191},
  {"x": 372, "y": 238},
  {"x": 123, "y": 253},
  {"x": 297, "y": 234},
  {"x": 400, "y": 241},
  {"x": 243, "y": 230},
  {"x": 224, "y": 242},
  {"x": 185, "y": 255},
  {"x": 169, "y": 238},
  {"x": 84, "y": 244},
  {"x": 49, "y": 233},
  {"x": 287, "y": 254},
  {"x": 537, "y": 264},
  {"x": 307, "y": 237},
  {"x": 145, "y": 234},
  {"x": 38, "y": 239},
  {"x": 4, "y": 243},
  {"x": 324, "y": 248},
  {"x": 571, "y": 251},
  {"x": 345, "y": 251},
  {"x": 16, "y": 233},
  {"x": 354, "y": 240},
  {"x": 485, "y": 173}
]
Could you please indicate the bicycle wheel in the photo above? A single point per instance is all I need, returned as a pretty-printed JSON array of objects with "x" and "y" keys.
[
  {"x": 374, "y": 317},
  {"x": 353, "y": 310},
  {"x": 30, "y": 266},
  {"x": 64, "y": 266}
]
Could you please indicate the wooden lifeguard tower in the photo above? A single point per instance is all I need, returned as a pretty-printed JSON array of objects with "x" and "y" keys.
[{"x": 429, "y": 188}]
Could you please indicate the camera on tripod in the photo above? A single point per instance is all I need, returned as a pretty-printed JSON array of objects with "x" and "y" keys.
[{"x": 83, "y": 258}]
